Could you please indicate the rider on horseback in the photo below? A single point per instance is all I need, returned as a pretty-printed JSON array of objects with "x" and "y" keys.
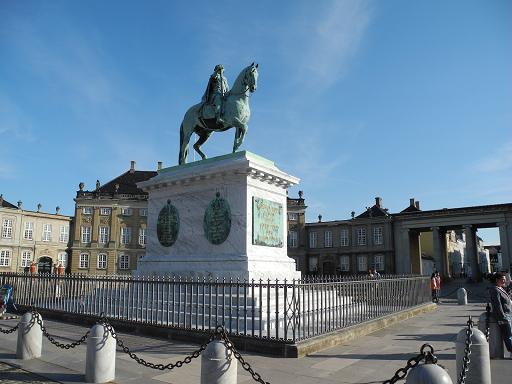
[{"x": 215, "y": 90}]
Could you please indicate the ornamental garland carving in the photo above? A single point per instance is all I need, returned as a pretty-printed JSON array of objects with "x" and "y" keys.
[{"x": 86, "y": 219}]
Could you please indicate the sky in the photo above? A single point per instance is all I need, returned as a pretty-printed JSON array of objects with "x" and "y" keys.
[{"x": 396, "y": 99}]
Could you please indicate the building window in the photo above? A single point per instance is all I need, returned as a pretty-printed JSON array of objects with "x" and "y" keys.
[
  {"x": 143, "y": 212},
  {"x": 64, "y": 234},
  {"x": 62, "y": 259},
  {"x": 104, "y": 235},
  {"x": 84, "y": 260},
  {"x": 5, "y": 258},
  {"x": 7, "y": 229},
  {"x": 293, "y": 216},
  {"x": 362, "y": 263},
  {"x": 126, "y": 235},
  {"x": 102, "y": 261},
  {"x": 312, "y": 240},
  {"x": 105, "y": 211},
  {"x": 344, "y": 240},
  {"x": 86, "y": 235},
  {"x": 328, "y": 239},
  {"x": 124, "y": 262},
  {"x": 26, "y": 259},
  {"x": 142, "y": 236},
  {"x": 292, "y": 239},
  {"x": 377, "y": 236},
  {"x": 126, "y": 211},
  {"x": 28, "y": 231},
  {"x": 345, "y": 263},
  {"x": 361, "y": 236},
  {"x": 87, "y": 210},
  {"x": 313, "y": 263},
  {"x": 378, "y": 262},
  {"x": 47, "y": 232}
]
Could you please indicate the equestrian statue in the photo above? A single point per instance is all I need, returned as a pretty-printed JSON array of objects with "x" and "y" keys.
[{"x": 220, "y": 109}]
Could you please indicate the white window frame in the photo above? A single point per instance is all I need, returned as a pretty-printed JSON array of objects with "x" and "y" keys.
[
  {"x": 102, "y": 261},
  {"x": 293, "y": 239},
  {"x": 105, "y": 211},
  {"x": 7, "y": 226},
  {"x": 126, "y": 235},
  {"x": 313, "y": 263},
  {"x": 47, "y": 232},
  {"x": 344, "y": 263},
  {"x": 328, "y": 239},
  {"x": 362, "y": 263},
  {"x": 293, "y": 216},
  {"x": 87, "y": 210},
  {"x": 5, "y": 257},
  {"x": 379, "y": 262},
  {"x": 26, "y": 258},
  {"x": 83, "y": 262},
  {"x": 28, "y": 231},
  {"x": 64, "y": 234},
  {"x": 361, "y": 236},
  {"x": 344, "y": 237},
  {"x": 378, "y": 237},
  {"x": 142, "y": 237},
  {"x": 126, "y": 211},
  {"x": 124, "y": 262},
  {"x": 85, "y": 234},
  {"x": 313, "y": 239},
  {"x": 143, "y": 212},
  {"x": 62, "y": 259},
  {"x": 104, "y": 234}
]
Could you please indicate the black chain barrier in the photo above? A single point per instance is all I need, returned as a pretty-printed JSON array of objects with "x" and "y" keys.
[
  {"x": 7, "y": 331},
  {"x": 428, "y": 356},
  {"x": 218, "y": 333},
  {"x": 467, "y": 352},
  {"x": 487, "y": 320},
  {"x": 37, "y": 319}
]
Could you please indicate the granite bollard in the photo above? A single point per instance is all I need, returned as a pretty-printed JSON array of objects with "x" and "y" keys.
[
  {"x": 218, "y": 365},
  {"x": 480, "y": 364},
  {"x": 462, "y": 296},
  {"x": 100, "y": 363},
  {"x": 496, "y": 348},
  {"x": 30, "y": 337},
  {"x": 428, "y": 374}
]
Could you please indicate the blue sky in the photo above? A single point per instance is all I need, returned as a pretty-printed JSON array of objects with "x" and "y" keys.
[{"x": 396, "y": 98}]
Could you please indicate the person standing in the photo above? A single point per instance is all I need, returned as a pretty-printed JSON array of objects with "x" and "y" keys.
[
  {"x": 438, "y": 285},
  {"x": 433, "y": 287},
  {"x": 502, "y": 309}
]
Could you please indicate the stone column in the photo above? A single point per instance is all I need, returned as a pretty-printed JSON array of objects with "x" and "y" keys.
[
  {"x": 415, "y": 252},
  {"x": 506, "y": 244},
  {"x": 402, "y": 251},
  {"x": 439, "y": 250},
  {"x": 471, "y": 251}
]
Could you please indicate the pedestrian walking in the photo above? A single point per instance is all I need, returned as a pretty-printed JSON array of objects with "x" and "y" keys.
[
  {"x": 438, "y": 285},
  {"x": 502, "y": 309},
  {"x": 433, "y": 287}
]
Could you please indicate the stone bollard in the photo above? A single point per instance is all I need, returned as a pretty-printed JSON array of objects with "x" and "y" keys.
[
  {"x": 100, "y": 362},
  {"x": 462, "y": 296},
  {"x": 496, "y": 349},
  {"x": 480, "y": 364},
  {"x": 30, "y": 337},
  {"x": 428, "y": 374},
  {"x": 218, "y": 365}
]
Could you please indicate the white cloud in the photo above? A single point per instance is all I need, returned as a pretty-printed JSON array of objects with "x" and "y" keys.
[{"x": 500, "y": 160}]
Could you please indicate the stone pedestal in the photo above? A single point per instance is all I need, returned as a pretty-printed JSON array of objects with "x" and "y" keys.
[{"x": 221, "y": 217}]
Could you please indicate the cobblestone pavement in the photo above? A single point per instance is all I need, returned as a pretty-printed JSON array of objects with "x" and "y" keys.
[{"x": 13, "y": 375}]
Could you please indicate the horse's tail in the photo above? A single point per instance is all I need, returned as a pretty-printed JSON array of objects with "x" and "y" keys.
[{"x": 180, "y": 160}]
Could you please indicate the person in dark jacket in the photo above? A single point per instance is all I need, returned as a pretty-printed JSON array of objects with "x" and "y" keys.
[{"x": 502, "y": 309}]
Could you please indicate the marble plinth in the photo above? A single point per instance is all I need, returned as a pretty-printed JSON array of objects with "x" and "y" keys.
[{"x": 243, "y": 180}]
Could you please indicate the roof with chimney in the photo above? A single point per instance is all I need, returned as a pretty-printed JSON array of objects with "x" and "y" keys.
[
  {"x": 376, "y": 211},
  {"x": 127, "y": 182},
  {"x": 5, "y": 203},
  {"x": 414, "y": 206}
]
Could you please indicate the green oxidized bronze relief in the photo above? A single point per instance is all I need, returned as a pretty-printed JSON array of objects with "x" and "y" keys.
[
  {"x": 267, "y": 223},
  {"x": 217, "y": 220},
  {"x": 168, "y": 225}
]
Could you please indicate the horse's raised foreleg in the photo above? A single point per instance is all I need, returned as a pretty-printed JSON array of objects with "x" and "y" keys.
[
  {"x": 239, "y": 136},
  {"x": 203, "y": 136}
]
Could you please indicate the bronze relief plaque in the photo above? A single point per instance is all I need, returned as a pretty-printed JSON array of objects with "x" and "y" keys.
[
  {"x": 168, "y": 225},
  {"x": 217, "y": 220}
]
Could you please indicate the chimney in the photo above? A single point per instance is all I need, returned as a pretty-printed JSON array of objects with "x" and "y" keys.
[
  {"x": 411, "y": 202},
  {"x": 417, "y": 204},
  {"x": 57, "y": 210},
  {"x": 132, "y": 166},
  {"x": 378, "y": 202},
  {"x": 159, "y": 166},
  {"x": 20, "y": 204}
]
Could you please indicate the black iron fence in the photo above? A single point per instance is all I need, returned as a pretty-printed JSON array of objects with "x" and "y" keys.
[{"x": 281, "y": 310}]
